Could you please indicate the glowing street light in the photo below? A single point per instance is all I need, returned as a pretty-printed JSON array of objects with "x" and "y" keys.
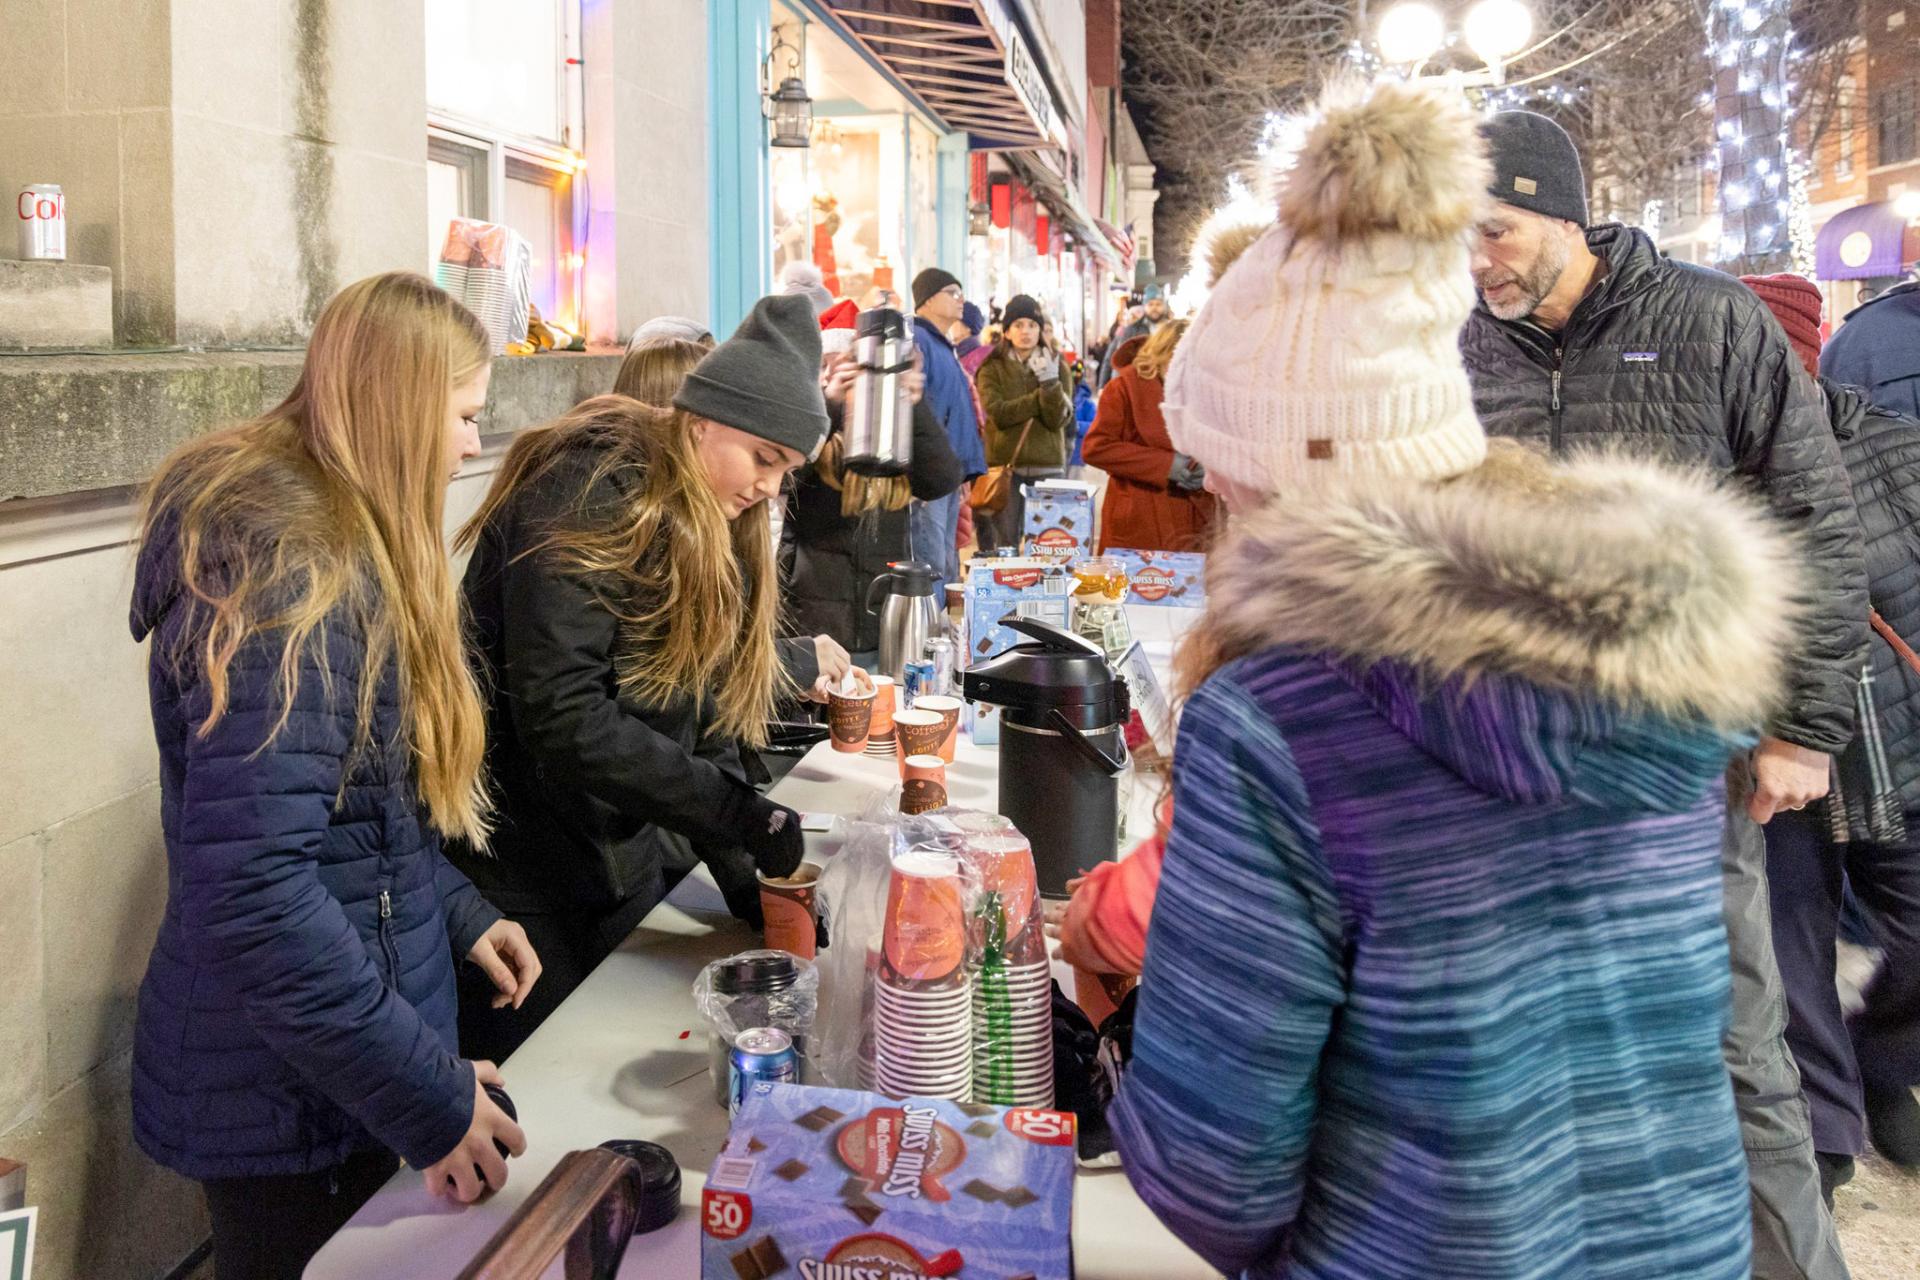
[
  {"x": 1498, "y": 29},
  {"x": 1410, "y": 33}
]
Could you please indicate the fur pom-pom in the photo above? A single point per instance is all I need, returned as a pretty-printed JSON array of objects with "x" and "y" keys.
[
  {"x": 1223, "y": 244},
  {"x": 801, "y": 274},
  {"x": 1390, "y": 156}
]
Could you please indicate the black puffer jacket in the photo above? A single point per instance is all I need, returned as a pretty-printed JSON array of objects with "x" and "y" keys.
[
  {"x": 1882, "y": 451},
  {"x": 833, "y": 559},
  {"x": 586, "y": 777},
  {"x": 1680, "y": 362}
]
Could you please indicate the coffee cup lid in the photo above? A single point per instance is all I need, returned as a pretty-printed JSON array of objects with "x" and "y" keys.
[{"x": 659, "y": 1181}]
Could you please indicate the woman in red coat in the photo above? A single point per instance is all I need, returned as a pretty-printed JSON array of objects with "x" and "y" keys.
[{"x": 1156, "y": 499}]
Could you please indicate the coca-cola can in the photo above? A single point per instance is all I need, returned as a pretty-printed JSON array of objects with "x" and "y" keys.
[{"x": 42, "y": 211}]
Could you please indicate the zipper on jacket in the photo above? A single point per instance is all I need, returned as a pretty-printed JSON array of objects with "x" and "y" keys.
[
  {"x": 386, "y": 939},
  {"x": 1559, "y": 354}
]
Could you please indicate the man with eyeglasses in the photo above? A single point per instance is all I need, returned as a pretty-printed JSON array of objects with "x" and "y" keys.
[{"x": 938, "y": 302}]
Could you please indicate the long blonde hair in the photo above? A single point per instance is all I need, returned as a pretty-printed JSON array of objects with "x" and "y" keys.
[
  {"x": 859, "y": 494},
  {"x": 332, "y": 502},
  {"x": 696, "y": 595},
  {"x": 653, "y": 374},
  {"x": 1155, "y": 357}
]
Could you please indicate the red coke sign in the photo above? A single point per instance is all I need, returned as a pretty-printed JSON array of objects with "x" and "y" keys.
[{"x": 41, "y": 210}]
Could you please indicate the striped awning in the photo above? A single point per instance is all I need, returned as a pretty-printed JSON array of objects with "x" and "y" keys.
[{"x": 967, "y": 62}]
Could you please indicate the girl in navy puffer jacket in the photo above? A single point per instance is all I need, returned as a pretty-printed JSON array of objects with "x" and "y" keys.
[{"x": 319, "y": 734}]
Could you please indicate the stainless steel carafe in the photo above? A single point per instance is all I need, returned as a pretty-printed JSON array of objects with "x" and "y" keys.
[
  {"x": 908, "y": 615},
  {"x": 879, "y": 417}
]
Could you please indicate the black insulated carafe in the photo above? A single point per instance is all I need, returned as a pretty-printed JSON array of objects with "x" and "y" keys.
[{"x": 1062, "y": 747}]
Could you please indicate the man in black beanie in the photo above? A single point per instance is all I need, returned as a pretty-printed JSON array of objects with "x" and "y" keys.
[{"x": 1590, "y": 338}]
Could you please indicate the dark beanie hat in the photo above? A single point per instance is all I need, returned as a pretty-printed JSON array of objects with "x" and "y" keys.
[
  {"x": 930, "y": 282},
  {"x": 765, "y": 379},
  {"x": 1021, "y": 307},
  {"x": 1795, "y": 303},
  {"x": 1536, "y": 167},
  {"x": 973, "y": 318}
]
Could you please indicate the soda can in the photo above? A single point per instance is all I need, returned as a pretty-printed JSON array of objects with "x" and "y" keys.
[
  {"x": 42, "y": 212},
  {"x": 761, "y": 1054},
  {"x": 943, "y": 656},
  {"x": 917, "y": 680}
]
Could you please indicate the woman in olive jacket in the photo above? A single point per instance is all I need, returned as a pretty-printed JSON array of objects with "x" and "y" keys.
[{"x": 1023, "y": 390}]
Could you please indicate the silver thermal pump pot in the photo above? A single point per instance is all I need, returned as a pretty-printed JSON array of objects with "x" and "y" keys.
[{"x": 878, "y": 427}]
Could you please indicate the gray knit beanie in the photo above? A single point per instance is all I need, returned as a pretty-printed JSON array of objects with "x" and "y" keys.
[
  {"x": 661, "y": 330},
  {"x": 1536, "y": 166},
  {"x": 765, "y": 379}
]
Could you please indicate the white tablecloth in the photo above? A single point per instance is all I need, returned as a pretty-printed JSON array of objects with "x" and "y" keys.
[{"x": 626, "y": 1057}]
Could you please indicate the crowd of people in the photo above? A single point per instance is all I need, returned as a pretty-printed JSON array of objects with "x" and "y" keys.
[{"x": 1549, "y": 721}]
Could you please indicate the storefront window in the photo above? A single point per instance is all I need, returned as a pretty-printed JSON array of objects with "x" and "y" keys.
[
  {"x": 502, "y": 137},
  {"x": 845, "y": 201}
]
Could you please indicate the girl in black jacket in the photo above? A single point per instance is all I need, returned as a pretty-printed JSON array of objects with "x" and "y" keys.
[{"x": 624, "y": 599}]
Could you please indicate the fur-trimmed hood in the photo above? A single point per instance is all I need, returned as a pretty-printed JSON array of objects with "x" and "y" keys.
[{"x": 1623, "y": 584}]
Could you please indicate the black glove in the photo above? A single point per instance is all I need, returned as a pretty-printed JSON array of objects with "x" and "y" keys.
[{"x": 771, "y": 835}]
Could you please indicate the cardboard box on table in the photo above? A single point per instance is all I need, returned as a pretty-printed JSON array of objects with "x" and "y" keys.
[
  {"x": 1031, "y": 588},
  {"x": 833, "y": 1184},
  {"x": 1059, "y": 521},
  {"x": 1165, "y": 579}
]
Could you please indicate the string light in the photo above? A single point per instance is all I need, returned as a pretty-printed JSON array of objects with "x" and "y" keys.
[{"x": 1762, "y": 176}]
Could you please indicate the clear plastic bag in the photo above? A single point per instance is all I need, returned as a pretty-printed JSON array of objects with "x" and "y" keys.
[
  {"x": 938, "y": 981},
  {"x": 488, "y": 266},
  {"x": 769, "y": 1001}
]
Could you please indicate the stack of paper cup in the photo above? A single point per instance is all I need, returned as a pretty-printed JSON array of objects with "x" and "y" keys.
[
  {"x": 922, "y": 994},
  {"x": 1013, "y": 979},
  {"x": 880, "y": 740},
  {"x": 1013, "y": 1036}
]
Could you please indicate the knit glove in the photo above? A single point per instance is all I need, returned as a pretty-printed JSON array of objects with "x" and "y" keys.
[
  {"x": 1045, "y": 365},
  {"x": 770, "y": 833},
  {"x": 1185, "y": 473}
]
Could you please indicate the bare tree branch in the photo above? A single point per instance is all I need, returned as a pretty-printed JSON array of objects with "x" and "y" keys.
[{"x": 1631, "y": 80}]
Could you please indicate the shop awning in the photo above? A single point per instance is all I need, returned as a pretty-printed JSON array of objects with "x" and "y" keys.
[
  {"x": 966, "y": 60},
  {"x": 1064, "y": 201},
  {"x": 1865, "y": 241}
]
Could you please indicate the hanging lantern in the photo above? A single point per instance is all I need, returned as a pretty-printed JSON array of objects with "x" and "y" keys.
[
  {"x": 791, "y": 111},
  {"x": 787, "y": 107}
]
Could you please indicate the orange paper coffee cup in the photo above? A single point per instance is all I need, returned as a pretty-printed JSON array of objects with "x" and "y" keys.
[
  {"x": 918, "y": 733},
  {"x": 925, "y": 785},
  {"x": 791, "y": 911},
  {"x": 948, "y": 709}
]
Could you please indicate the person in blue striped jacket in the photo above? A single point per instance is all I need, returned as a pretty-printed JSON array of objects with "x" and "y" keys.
[{"x": 1436, "y": 975}]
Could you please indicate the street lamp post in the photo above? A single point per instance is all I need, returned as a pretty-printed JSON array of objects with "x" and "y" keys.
[{"x": 1412, "y": 32}]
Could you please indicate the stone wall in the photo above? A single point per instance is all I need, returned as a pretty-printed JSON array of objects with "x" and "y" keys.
[
  {"x": 86, "y": 93},
  {"x": 82, "y": 868},
  {"x": 235, "y": 164}
]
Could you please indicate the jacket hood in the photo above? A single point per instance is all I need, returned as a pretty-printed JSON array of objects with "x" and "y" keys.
[
  {"x": 1537, "y": 627},
  {"x": 930, "y": 327},
  {"x": 156, "y": 579},
  {"x": 1904, "y": 290}
]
